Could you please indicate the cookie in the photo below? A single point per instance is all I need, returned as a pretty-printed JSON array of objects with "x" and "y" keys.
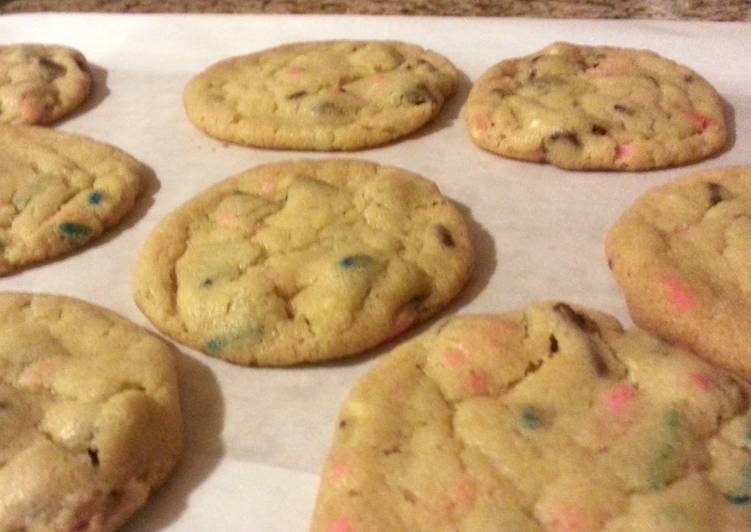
[
  {"x": 552, "y": 418},
  {"x": 682, "y": 256},
  {"x": 59, "y": 192},
  {"x": 336, "y": 95},
  {"x": 40, "y": 84},
  {"x": 584, "y": 107},
  {"x": 90, "y": 420},
  {"x": 302, "y": 261}
]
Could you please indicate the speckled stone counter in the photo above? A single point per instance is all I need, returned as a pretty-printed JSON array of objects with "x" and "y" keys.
[{"x": 655, "y": 9}]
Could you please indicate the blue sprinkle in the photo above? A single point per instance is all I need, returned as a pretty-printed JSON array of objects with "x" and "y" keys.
[
  {"x": 74, "y": 231},
  {"x": 738, "y": 500},
  {"x": 95, "y": 198},
  {"x": 356, "y": 261},
  {"x": 216, "y": 344},
  {"x": 531, "y": 419}
]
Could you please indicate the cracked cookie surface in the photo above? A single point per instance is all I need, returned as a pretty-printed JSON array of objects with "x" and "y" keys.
[
  {"x": 552, "y": 418},
  {"x": 682, "y": 255},
  {"x": 335, "y": 95},
  {"x": 40, "y": 84},
  {"x": 90, "y": 420},
  {"x": 582, "y": 107},
  {"x": 59, "y": 192},
  {"x": 302, "y": 261}
]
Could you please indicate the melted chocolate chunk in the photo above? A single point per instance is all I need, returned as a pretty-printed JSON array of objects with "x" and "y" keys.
[
  {"x": 566, "y": 136},
  {"x": 94, "y": 457},
  {"x": 623, "y": 109},
  {"x": 418, "y": 95},
  {"x": 581, "y": 321},
  {"x": 599, "y": 130},
  {"x": 445, "y": 236},
  {"x": 717, "y": 193},
  {"x": 553, "y": 344}
]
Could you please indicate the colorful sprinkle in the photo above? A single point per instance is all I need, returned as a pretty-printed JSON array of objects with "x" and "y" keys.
[
  {"x": 682, "y": 299},
  {"x": 624, "y": 151},
  {"x": 620, "y": 398},
  {"x": 478, "y": 383},
  {"x": 701, "y": 122},
  {"x": 703, "y": 381},
  {"x": 482, "y": 122},
  {"x": 207, "y": 283},
  {"x": 95, "y": 198},
  {"x": 217, "y": 344},
  {"x": 295, "y": 72},
  {"x": 74, "y": 231},
  {"x": 356, "y": 261},
  {"x": 463, "y": 495},
  {"x": 673, "y": 419},
  {"x": 342, "y": 525},
  {"x": 568, "y": 519},
  {"x": 531, "y": 419},
  {"x": 339, "y": 472},
  {"x": 30, "y": 108},
  {"x": 748, "y": 435},
  {"x": 455, "y": 358},
  {"x": 268, "y": 186},
  {"x": 738, "y": 500}
]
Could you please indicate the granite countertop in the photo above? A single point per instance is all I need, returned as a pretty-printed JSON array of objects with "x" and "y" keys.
[{"x": 656, "y": 9}]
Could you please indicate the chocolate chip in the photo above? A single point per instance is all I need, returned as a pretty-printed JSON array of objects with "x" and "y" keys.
[
  {"x": 566, "y": 136},
  {"x": 689, "y": 78},
  {"x": 342, "y": 423},
  {"x": 94, "y": 457},
  {"x": 553, "y": 344},
  {"x": 717, "y": 193},
  {"x": 581, "y": 321},
  {"x": 445, "y": 236},
  {"x": 418, "y": 95},
  {"x": 599, "y": 130},
  {"x": 297, "y": 95},
  {"x": 623, "y": 109}
]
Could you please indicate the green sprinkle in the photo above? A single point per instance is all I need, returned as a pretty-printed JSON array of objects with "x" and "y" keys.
[
  {"x": 356, "y": 261},
  {"x": 738, "y": 500},
  {"x": 95, "y": 198},
  {"x": 217, "y": 344},
  {"x": 748, "y": 434},
  {"x": 74, "y": 231},
  {"x": 673, "y": 419},
  {"x": 531, "y": 419}
]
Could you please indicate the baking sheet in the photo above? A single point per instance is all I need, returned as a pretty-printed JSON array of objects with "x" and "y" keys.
[{"x": 257, "y": 438}]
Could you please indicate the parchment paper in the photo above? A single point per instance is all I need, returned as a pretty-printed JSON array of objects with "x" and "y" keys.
[{"x": 256, "y": 439}]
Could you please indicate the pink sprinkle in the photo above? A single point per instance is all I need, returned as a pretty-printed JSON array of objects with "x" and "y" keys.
[
  {"x": 455, "y": 358},
  {"x": 622, "y": 151},
  {"x": 295, "y": 72},
  {"x": 619, "y": 398},
  {"x": 342, "y": 525},
  {"x": 463, "y": 494},
  {"x": 700, "y": 121},
  {"x": 482, "y": 122},
  {"x": 403, "y": 321},
  {"x": 339, "y": 472},
  {"x": 30, "y": 109},
  {"x": 268, "y": 186},
  {"x": 478, "y": 383},
  {"x": 703, "y": 381},
  {"x": 537, "y": 156},
  {"x": 569, "y": 519},
  {"x": 500, "y": 331},
  {"x": 378, "y": 79},
  {"x": 681, "y": 297}
]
